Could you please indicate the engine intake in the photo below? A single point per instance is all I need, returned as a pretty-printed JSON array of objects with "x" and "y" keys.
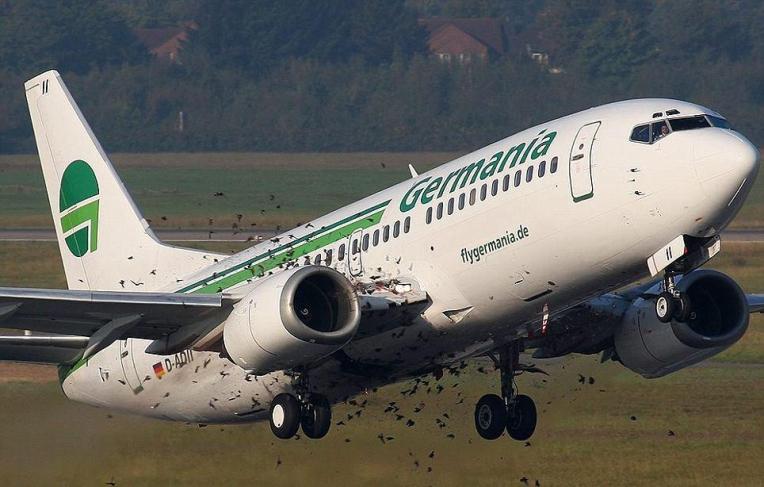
[
  {"x": 719, "y": 318},
  {"x": 292, "y": 319}
]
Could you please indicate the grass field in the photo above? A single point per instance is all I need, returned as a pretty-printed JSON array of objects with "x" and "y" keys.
[
  {"x": 177, "y": 190},
  {"x": 586, "y": 435}
]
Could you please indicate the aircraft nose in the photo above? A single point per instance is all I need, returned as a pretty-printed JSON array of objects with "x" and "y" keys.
[
  {"x": 725, "y": 158},
  {"x": 744, "y": 157},
  {"x": 726, "y": 164}
]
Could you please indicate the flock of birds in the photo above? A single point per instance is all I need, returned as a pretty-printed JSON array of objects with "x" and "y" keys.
[{"x": 393, "y": 409}]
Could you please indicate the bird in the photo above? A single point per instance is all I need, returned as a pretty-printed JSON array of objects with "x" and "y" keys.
[
  {"x": 383, "y": 165},
  {"x": 581, "y": 379},
  {"x": 218, "y": 193},
  {"x": 432, "y": 454},
  {"x": 524, "y": 480},
  {"x": 671, "y": 433},
  {"x": 278, "y": 462},
  {"x": 633, "y": 418},
  {"x": 111, "y": 482}
]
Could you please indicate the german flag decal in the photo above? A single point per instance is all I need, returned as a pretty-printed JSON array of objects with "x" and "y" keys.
[{"x": 159, "y": 370}]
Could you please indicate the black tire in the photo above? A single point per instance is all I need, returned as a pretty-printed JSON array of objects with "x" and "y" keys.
[
  {"x": 665, "y": 305},
  {"x": 285, "y": 416},
  {"x": 521, "y": 420},
  {"x": 490, "y": 416},
  {"x": 683, "y": 308},
  {"x": 316, "y": 417}
]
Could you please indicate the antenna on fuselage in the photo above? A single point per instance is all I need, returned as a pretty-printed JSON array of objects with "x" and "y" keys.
[{"x": 413, "y": 171}]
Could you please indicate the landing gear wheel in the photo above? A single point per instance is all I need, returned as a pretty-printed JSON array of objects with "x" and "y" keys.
[
  {"x": 285, "y": 416},
  {"x": 665, "y": 306},
  {"x": 490, "y": 416},
  {"x": 521, "y": 418},
  {"x": 316, "y": 417},
  {"x": 683, "y": 308}
]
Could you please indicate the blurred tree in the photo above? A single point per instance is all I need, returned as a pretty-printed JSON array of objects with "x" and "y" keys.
[
  {"x": 71, "y": 35},
  {"x": 256, "y": 36}
]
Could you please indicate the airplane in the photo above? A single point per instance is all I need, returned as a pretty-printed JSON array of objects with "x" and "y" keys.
[{"x": 582, "y": 235}]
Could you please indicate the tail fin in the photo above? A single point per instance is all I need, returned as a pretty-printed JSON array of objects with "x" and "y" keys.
[{"x": 104, "y": 241}]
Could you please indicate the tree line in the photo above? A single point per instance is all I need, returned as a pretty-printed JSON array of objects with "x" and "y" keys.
[{"x": 343, "y": 75}]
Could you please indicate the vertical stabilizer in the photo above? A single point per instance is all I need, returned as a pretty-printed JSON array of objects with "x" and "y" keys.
[{"x": 104, "y": 241}]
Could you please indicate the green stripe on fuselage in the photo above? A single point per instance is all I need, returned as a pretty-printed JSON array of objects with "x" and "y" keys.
[{"x": 261, "y": 264}]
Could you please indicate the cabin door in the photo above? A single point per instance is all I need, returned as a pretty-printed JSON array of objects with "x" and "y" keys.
[
  {"x": 128, "y": 365},
  {"x": 581, "y": 180}
]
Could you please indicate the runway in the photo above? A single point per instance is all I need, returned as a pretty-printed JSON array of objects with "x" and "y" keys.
[{"x": 225, "y": 235}]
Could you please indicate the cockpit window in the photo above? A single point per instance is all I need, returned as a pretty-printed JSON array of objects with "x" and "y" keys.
[
  {"x": 659, "y": 130},
  {"x": 689, "y": 123},
  {"x": 718, "y": 122},
  {"x": 641, "y": 133}
]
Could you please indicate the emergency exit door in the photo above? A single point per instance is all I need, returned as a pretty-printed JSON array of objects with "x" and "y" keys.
[{"x": 581, "y": 179}]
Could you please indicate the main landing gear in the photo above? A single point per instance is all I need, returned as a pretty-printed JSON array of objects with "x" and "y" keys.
[
  {"x": 671, "y": 303},
  {"x": 311, "y": 411},
  {"x": 511, "y": 411}
]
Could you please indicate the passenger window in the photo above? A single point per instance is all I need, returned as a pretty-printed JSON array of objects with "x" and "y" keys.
[
  {"x": 483, "y": 192},
  {"x": 462, "y": 198},
  {"x": 341, "y": 253},
  {"x": 542, "y": 169},
  {"x": 473, "y": 196},
  {"x": 529, "y": 174},
  {"x": 407, "y": 224},
  {"x": 317, "y": 259},
  {"x": 386, "y": 232},
  {"x": 505, "y": 184},
  {"x": 641, "y": 133},
  {"x": 553, "y": 165},
  {"x": 356, "y": 248},
  {"x": 396, "y": 230},
  {"x": 375, "y": 238},
  {"x": 428, "y": 217},
  {"x": 494, "y": 187},
  {"x": 365, "y": 242},
  {"x": 439, "y": 213},
  {"x": 659, "y": 130},
  {"x": 518, "y": 178},
  {"x": 328, "y": 256},
  {"x": 450, "y": 206}
]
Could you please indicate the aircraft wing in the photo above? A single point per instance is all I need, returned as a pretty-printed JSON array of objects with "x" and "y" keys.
[
  {"x": 756, "y": 303},
  {"x": 94, "y": 319}
]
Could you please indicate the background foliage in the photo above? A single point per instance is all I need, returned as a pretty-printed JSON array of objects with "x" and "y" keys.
[{"x": 344, "y": 75}]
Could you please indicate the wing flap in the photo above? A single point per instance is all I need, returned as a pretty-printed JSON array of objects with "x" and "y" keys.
[
  {"x": 42, "y": 349},
  {"x": 83, "y": 313}
]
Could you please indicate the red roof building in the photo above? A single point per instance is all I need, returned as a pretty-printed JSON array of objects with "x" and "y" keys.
[
  {"x": 464, "y": 40},
  {"x": 165, "y": 43}
]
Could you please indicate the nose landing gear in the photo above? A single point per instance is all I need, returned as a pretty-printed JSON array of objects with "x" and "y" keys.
[
  {"x": 511, "y": 411},
  {"x": 671, "y": 303}
]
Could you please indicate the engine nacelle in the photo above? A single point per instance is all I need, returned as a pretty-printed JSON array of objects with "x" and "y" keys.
[
  {"x": 654, "y": 349},
  {"x": 292, "y": 319}
]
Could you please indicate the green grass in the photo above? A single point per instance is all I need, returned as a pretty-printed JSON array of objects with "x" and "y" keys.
[
  {"x": 267, "y": 189},
  {"x": 181, "y": 187},
  {"x": 585, "y": 437}
]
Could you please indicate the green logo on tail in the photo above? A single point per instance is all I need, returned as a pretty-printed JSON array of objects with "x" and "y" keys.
[{"x": 78, "y": 203}]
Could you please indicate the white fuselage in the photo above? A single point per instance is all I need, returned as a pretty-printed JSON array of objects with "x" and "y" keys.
[{"x": 491, "y": 268}]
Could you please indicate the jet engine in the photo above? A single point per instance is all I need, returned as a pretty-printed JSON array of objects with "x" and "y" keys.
[
  {"x": 718, "y": 319},
  {"x": 292, "y": 319}
]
